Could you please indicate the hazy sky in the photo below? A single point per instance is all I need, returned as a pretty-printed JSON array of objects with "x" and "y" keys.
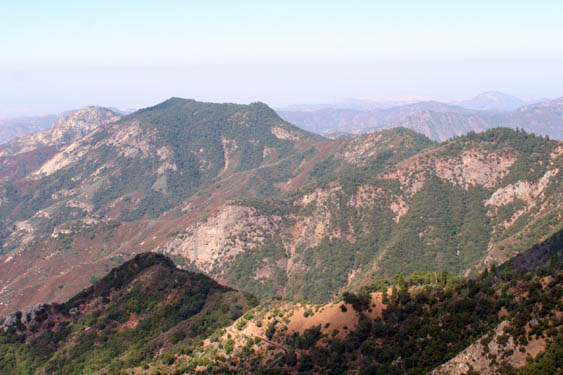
[{"x": 58, "y": 55}]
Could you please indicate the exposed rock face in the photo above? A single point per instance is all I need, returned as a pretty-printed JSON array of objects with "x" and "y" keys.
[
  {"x": 479, "y": 356},
  {"x": 361, "y": 149},
  {"x": 231, "y": 230},
  {"x": 475, "y": 167},
  {"x": 309, "y": 230},
  {"x": 523, "y": 190},
  {"x": 320, "y": 217},
  {"x": 223, "y": 235},
  {"x": 129, "y": 141},
  {"x": 77, "y": 124},
  {"x": 282, "y": 133},
  {"x": 26, "y": 317},
  {"x": 372, "y": 147}
]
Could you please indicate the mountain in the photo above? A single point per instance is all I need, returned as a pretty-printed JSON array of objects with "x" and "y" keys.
[
  {"x": 379, "y": 253},
  {"x": 428, "y": 323},
  {"x": 63, "y": 132},
  {"x": 461, "y": 206},
  {"x": 438, "y": 125},
  {"x": 138, "y": 310},
  {"x": 11, "y": 128},
  {"x": 260, "y": 205},
  {"x": 328, "y": 120},
  {"x": 148, "y": 161},
  {"x": 147, "y": 316},
  {"x": 492, "y": 101},
  {"x": 541, "y": 118},
  {"x": 354, "y": 104},
  {"x": 23, "y": 155},
  {"x": 134, "y": 170},
  {"x": 436, "y": 120}
]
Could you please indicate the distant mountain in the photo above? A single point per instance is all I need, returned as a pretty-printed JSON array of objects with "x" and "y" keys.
[
  {"x": 544, "y": 118},
  {"x": 22, "y": 155},
  {"x": 439, "y": 125},
  {"x": 63, "y": 132},
  {"x": 353, "y": 104},
  {"x": 326, "y": 121},
  {"x": 329, "y": 120},
  {"x": 11, "y": 128},
  {"x": 436, "y": 120},
  {"x": 492, "y": 101}
]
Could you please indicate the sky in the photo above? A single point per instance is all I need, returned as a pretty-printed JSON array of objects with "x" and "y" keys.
[{"x": 59, "y": 55}]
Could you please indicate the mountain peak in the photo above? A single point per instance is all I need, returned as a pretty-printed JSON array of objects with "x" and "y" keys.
[
  {"x": 493, "y": 101},
  {"x": 122, "y": 276},
  {"x": 88, "y": 116},
  {"x": 63, "y": 132},
  {"x": 78, "y": 124},
  {"x": 189, "y": 115}
]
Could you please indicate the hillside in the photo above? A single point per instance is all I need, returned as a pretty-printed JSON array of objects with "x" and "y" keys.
[
  {"x": 23, "y": 155},
  {"x": 437, "y": 121},
  {"x": 434, "y": 323},
  {"x": 138, "y": 310},
  {"x": 157, "y": 157},
  {"x": 135, "y": 170},
  {"x": 256, "y": 203},
  {"x": 149, "y": 317},
  {"x": 425, "y": 323},
  {"x": 63, "y": 132},
  {"x": 460, "y": 206}
]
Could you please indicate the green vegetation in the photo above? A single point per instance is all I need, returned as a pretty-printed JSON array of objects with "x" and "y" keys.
[
  {"x": 430, "y": 317},
  {"x": 144, "y": 306},
  {"x": 147, "y": 306},
  {"x": 192, "y": 135},
  {"x": 447, "y": 226}
]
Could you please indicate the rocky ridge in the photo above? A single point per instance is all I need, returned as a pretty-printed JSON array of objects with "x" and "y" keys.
[{"x": 65, "y": 131}]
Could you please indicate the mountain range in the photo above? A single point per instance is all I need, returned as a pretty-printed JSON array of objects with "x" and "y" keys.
[
  {"x": 438, "y": 121},
  {"x": 261, "y": 205},
  {"x": 282, "y": 215},
  {"x": 493, "y": 101},
  {"x": 489, "y": 100}
]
